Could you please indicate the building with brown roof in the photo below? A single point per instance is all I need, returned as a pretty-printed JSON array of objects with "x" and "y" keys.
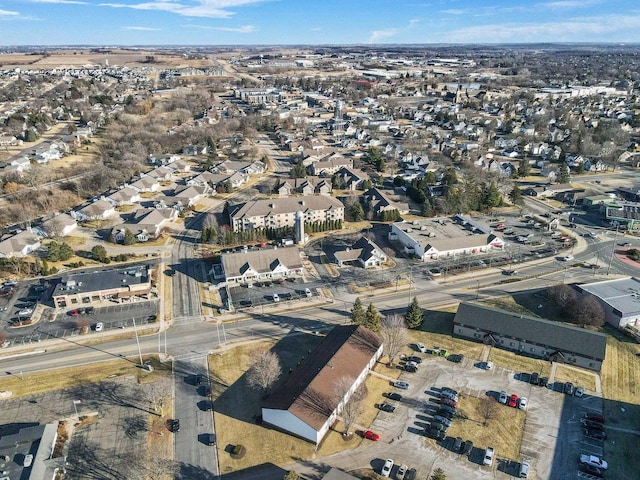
[{"x": 306, "y": 404}]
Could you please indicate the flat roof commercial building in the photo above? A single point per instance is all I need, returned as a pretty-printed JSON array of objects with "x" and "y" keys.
[{"x": 619, "y": 298}]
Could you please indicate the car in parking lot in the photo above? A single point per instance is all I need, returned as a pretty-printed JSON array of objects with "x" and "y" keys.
[
  {"x": 513, "y": 400},
  {"x": 73, "y": 313},
  {"x": 448, "y": 402},
  {"x": 522, "y": 403},
  {"x": 174, "y": 425},
  {"x": 488, "y": 456},
  {"x": 392, "y": 396},
  {"x": 437, "y": 426},
  {"x": 591, "y": 470},
  {"x": 369, "y": 435},
  {"x": 448, "y": 390},
  {"x": 402, "y": 471},
  {"x": 27, "y": 461},
  {"x": 402, "y": 385},
  {"x": 594, "y": 461},
  {"x": 568, "y": 388},
  {"x": 435, "y": 434},
  {"x": 591, "y": 424},
  {"x": 594, "y": 417},
  {"x": 457, "y": 445},
  {"x": 566, "y": 258},
  {"x": 205, "y": 390},
  {"x": 99, "y": 327},
  {"x": 421, "y": 347},
  {"x": 467, "y": 447},
  {"x": 209, "y": 439},
  {"x": 276, "y": 297},
  {"x": 502, "y": 398},
  {"x": 447, "y": 408},
  {"x": 386, "y": 468},
  {"x": 307, "y": 292},
  {"x": 456, "y": 358},
  {"x": 443, "y": 420},
  {"x": 534, "y": 378},
  {"x": 387, "y": 407},
  {"x": 411, "y": 368},
  {"x": 25, "y": 312},
  {"x": 414, "y": 359},
  {"x": 449, "y": 395},
  {"x": 543, "y": 381},
  {"x": 579, "y": 392},
  {"x": 595, "y": 433}
]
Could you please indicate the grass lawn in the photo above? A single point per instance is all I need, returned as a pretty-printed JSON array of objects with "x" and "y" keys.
[
  {"x": 519, "y": 363},
  {"x": 503, "y": 432},
  {"x": 579, "y": 377},
  {"x": 237, "y": 408},
  {"x": 620, "y": 373},
  {"x": 60, "y": 379},
  {"x": 436, "y": 331}
]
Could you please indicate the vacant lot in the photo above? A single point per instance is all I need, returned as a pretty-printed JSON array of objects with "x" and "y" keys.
[
  {"x": 238, "y": 408},
  {"x": 503, "y": 431}
]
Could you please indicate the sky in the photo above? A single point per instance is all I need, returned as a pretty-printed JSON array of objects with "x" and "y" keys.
[{"x": 312, "y": 22}]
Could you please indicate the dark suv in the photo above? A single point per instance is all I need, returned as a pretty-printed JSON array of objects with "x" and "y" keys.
[{"x": 174, "y": 425}]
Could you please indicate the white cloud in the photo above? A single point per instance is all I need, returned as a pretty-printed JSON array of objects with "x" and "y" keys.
[
  {"x": 142, "y": 29},
  {"x": 243, "y": 29},
  {"x": 413, "y": 22},
  {"x": 456, "y": 11},
  {"x": 8, "y": 13},
  {"x": 378, "y": 35},
  {"x": 569, "y": 4},
  {"x": 581, "y": 29},
  {"x": 65, "y": 2},
  {"x": 201, "y": 8}
]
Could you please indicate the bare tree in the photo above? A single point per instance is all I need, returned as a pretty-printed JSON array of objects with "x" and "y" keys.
[
  {"x": 588, "y": 311},
  {"x": 264, "y": 371},
  {"x": 160, "y": 469},
  {"x": 488, "y": 409},
  {"x": 564, "y": 296},
  {"x": 156, "y": 393},
  {"x": 352, "y": 408},
  {"x": 394, "y": 335}
]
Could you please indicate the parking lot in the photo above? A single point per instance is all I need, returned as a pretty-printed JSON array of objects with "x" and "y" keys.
[
  {"x": 281, "y": 291},
  {"x": 551, "y": 439}
]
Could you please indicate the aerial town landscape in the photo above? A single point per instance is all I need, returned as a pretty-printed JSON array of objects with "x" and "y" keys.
[{"x": 410, "y": 261}]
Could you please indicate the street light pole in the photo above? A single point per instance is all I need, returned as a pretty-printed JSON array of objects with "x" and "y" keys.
[
  {"x": 135, "y": 329},
  {"x": 613, "y": 248}
]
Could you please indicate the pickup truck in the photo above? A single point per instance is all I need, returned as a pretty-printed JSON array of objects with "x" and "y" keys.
[{"x": 593, "y": 461}]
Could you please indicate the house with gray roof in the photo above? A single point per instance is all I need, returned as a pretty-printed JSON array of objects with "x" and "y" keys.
[
  {"x": 19, "y": 245},
  {"x": 537, "y": 337},
  {"x": 60, "y": 225},
  {"x": 125, "y": 196},
  {"x": 620, "y": 300},
  {"x": 98, "y": 210},
  {"x": 305, "y": 403},
  {"x": 145, "y": 224},
  {"x": 364, "y": 252},
  {"x": 304, "y": 186},
  {"x": 258, "y": 265}
]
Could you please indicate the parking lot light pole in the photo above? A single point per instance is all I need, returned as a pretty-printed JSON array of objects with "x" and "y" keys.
[{"x": 135, "y": 329}]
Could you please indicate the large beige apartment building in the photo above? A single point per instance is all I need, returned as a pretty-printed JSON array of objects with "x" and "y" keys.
[{"x": 281, "y": 212}]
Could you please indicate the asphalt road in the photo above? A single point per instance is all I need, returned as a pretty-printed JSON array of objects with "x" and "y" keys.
[{"x": 187, "y": 272}]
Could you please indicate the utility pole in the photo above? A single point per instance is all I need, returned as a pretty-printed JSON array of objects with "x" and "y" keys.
[
  {"x": 613, "y": 248},
  {"x": 135, "y": 329}
]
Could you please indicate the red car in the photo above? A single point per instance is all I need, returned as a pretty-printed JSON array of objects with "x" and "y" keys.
[
  {"x": 73, "y": 313},
  {"x": 448, "y": 401},
  {"x": 370, "y": 435},
  {"x": 513, "y": 400}
]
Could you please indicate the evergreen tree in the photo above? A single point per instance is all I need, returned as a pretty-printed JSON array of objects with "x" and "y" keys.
[
  {"x": 99, "y": 253},
  {"x": 356, "y": 212},
  {"x": 438, "y": 474},
  {"x": 372, "y": 319},
  {"x": 524, "y": 169},
  {"x": 53, "y": 252},
  {"x": 414, "y": 315},
  {"x": 358, "y": 315},
  {"x": 129, "y": 238},
  {"x": 563, "y": 174},
  {"x": 516, "y": 196},
  {"x": 66, "y": 252}
]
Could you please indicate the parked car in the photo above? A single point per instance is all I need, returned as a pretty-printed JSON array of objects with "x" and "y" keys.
[
  {"x": 488, "y": 456},
  {"x": 467, "y": 447},
  {"x": 524, "y": 470},
  {"x": 414, "y": 358},
  {"x": 438, "y": 426},
  {"x": 534, "y": 378},
  {"x": 447, "y": 408},
  {"x": 513, "y": 400},
  {"x": 89, "y": 310},
  {"x": 487, "y": 365},
  {"x": 591, "y": 470},
  {"x": 276, "y": 297},
  {"x": 457, "y": 445},
  {"x": 73, "y": 313},
  {"x": 197, "y": 379},
  {"x": 591, "y": 424},
  {"x": 411, "y": 368},
  {"x": 435, "y": 434},
  {"x": 402, "y": 385},
  {"x": 174, "y": 425},
  {"x": 449, "y": 395},
  {"x": 421, "y": 347},
  {"x": 386, "y": 468},
  {"x": 503, "y": 397},
  {"x": 369, "y": 435},
  {"x": 543, "y": 382},
  {"x": 594, "y": 417},
  {"x": 307, "y": 292},
  {"x": 448, "y": 390},
  {"x": 443, "y": 420},
  {"x": 449, "y": 402},
  {"x": 25, "y": 312},
  {"x": 456, "y": 358},
  {"x": 568, "y": 388},
  {"x": 522, "y": 403},
  {"x": 402, "y": 471},
  {"x": 27, "y": 461},
  {"x": 393, "y": 396},
  {"x": 99, "y": 327},
  {"x": 387, "y": 407},
  {"x": 567, "y": 258},
  {"x": 594, "y": 461},
  {"x": 209, "y": 439},
  {"x": 595, "y": 434},
  {"x": 579, "y": 392}
]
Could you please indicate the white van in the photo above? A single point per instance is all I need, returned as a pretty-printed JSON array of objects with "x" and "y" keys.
[{"x": 524, "y": 470}]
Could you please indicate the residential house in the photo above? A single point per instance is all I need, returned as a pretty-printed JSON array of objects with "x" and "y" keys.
[
  {"x": 9, "y": 141},
  {"x": 19, "y": 245},
  {"x": 254, "y": 167},
  {"x": 146, "y": 184},
  {"x": 20, "y": 164},
  {"x": 193, "y": 150},
  {"x": 125, "y": 196},
  {"x": 304, "y": 186},
  {"x": 328, "y": 167},
  {"x": 379, "y": 201},
  {"x": 350, "y": 178},
  {"x": 98, "y": 210},
  {"x": 191, "y": 194},
  {"x": 364, "y": 252},
  {"x": 265, "y": 264},
  {"x": 278, "y": 213},
  {"x": 145, "y": 224},
  {"x": 305, "y": 403},
  {"x": 531, "y": 336},
  {"x": 60, "y": 225},
  {"x": 162, "y": 173}
]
